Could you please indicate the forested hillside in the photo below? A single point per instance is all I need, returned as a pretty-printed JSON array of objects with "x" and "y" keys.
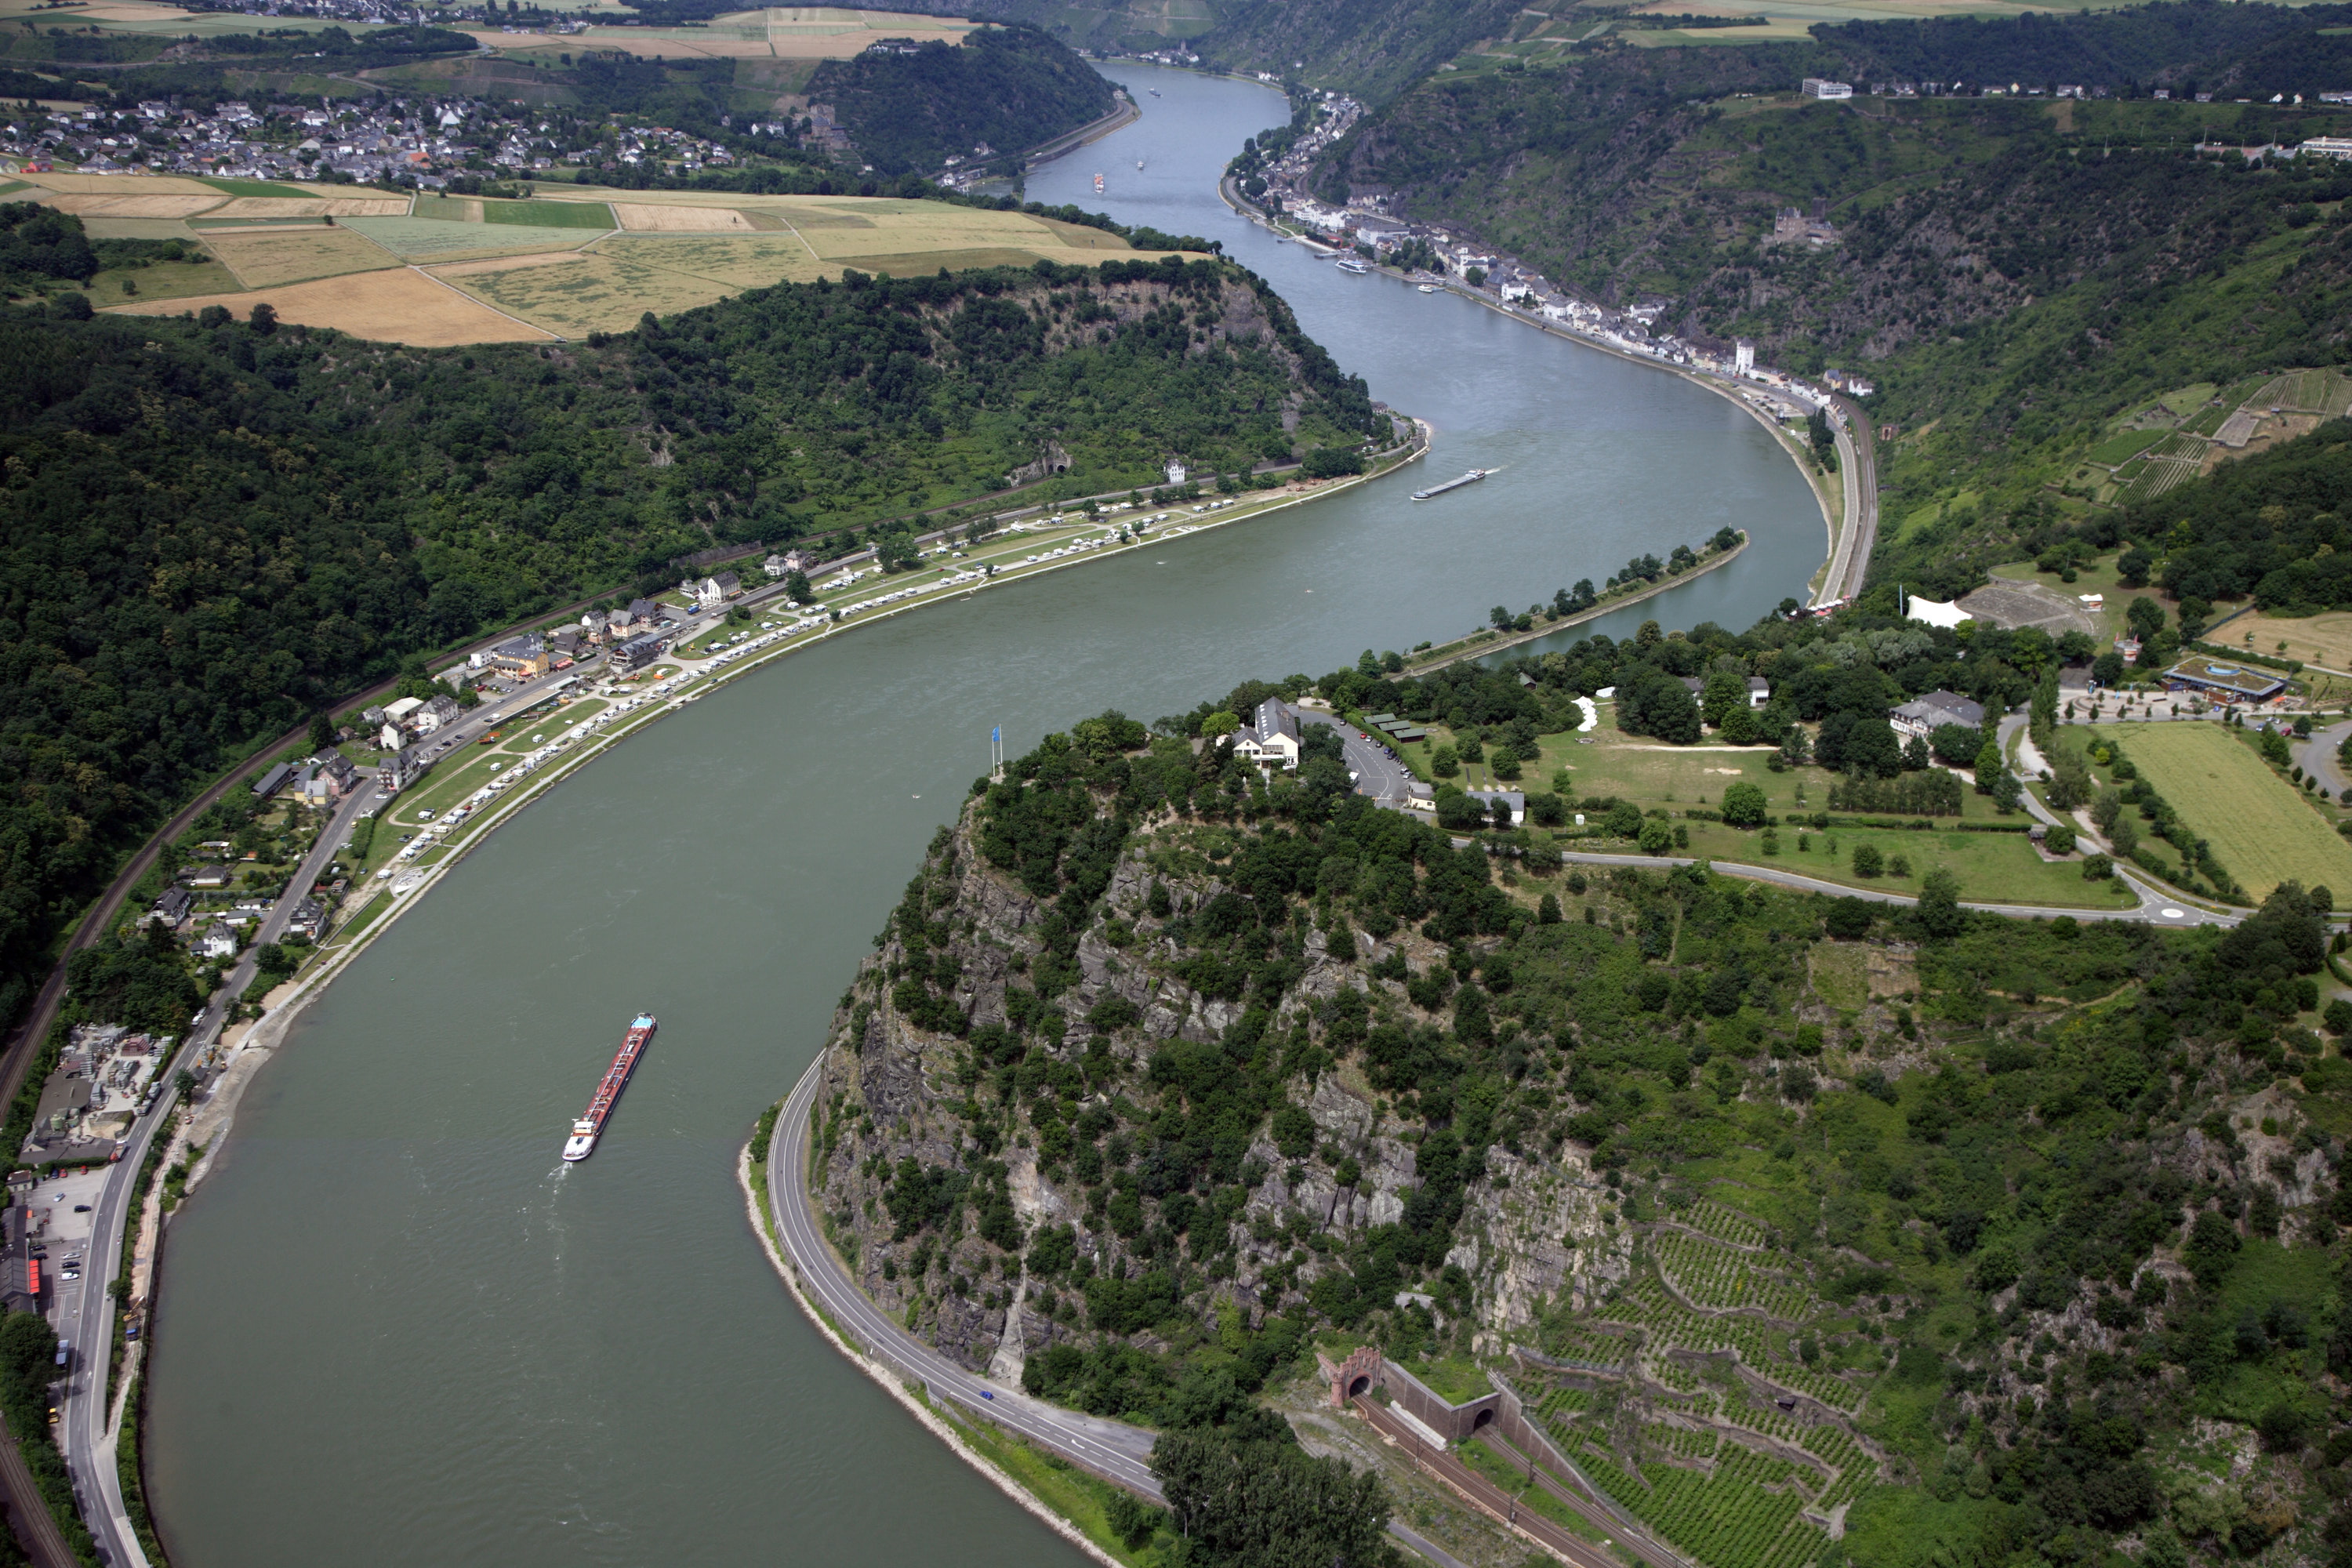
[
  {"x": 1160, "y": 1071},
  {"x": 2012, "y": 274},
  {"x": 210, "y": 529},
  {"x": 1008, "y": 88}
]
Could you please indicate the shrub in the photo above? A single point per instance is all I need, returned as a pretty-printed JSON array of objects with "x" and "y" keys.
[
  {"x": 1867, "y": 861},
  {"x": 2060, "y": 839},
  {"x": 2097, "y": 868}
]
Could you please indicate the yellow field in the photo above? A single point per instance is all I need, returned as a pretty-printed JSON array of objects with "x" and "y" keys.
[
  {"x": 123, "y": 185},
  {"x": 2259, "y": 827},
  {"x": 314, "y": 207},
  {"x": 602, "y": 291},
  {"x": 783, "y": 32},
  {"x": 135, "y": 206},
  {"x": 502, "y": 263},
  {"x": 275, "y": 257},
  {"x": 639, "y": 217},
  {"x": 397, "y": 306},
  {"x": 2324, "y": 638}
]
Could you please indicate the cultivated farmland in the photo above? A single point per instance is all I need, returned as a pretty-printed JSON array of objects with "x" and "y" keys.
[
  {"x": 268, "y": 259},
  {"x": 2262, "y": 829}
]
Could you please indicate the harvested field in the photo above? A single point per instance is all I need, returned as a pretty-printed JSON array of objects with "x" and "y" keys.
[
  {"x": 268, "y": 259},
  {"x": 2259, "y": 827},
  {"x": 2324, "y": 638},
  {"x": 428, "y": 239},
  {"x": 399, "y": 305},
  {"x": 135, "y": 206},
  {"x": 638, "y": 217},
  {"x": 123, "y": 185},
  {"x": 315, "y": 206}
]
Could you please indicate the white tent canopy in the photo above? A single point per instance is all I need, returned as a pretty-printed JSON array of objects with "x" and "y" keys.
[{"x": 1936, "y": 614}]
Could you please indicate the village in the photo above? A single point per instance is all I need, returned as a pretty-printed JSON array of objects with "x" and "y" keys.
[{"x": 422, "y": 143}]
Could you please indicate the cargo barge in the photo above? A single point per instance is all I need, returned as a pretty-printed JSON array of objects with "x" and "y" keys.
[
  {"x": 1472, "y": 477},
  {"x": 584, "y": 1131}
]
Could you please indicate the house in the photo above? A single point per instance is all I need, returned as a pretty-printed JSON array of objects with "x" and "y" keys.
[
  {"x": 525, "y": 655},
  {"x": 403, "y": 768},
  {"x": 1923, "y": 716},
  {"x": 1515, "y": 799},
  {"x": 1759, "y": 692},
  {"x": 204, "y": 876},
  {"x": 1273, "y": 739},
  {"x": 643, "y": 612},
  {"x": 337, "y": 769},
  {"x": 713, "y": 592},
  {"x": 309, "y": 918},
  {"x": 389, "y": 738},
  {"x": 219, "y": 941},
  {"x": 2228, "y": 682},
  {"x": 436, "y": 714},
  {"x": 173, "y": 907},
  {"x": 273, "y": 780},
  {"x": 565, "y": 643},
  {"x": 372, "y": 718},
  {"x": 638, "y": 652},
  {"x": 1743, "y": 357}
]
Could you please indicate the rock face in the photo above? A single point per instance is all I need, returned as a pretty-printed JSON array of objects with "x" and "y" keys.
[{"x": 1031, "y": 1122}]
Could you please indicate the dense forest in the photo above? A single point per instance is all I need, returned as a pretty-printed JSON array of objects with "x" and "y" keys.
[
  {"x": 1009, "y": 89},
  {"x": 211, "y": 528},
  {"x": 2063, "y": 1208},
  {"x": 2013, "y": 273}
]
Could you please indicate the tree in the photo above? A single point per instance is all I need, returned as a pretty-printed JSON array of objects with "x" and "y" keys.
[
  {"x": 2059, "y": 839},
  {"x": 1870, "y": 750},
  {"x": 1221, "y": 723},
  {"x": 323, "y": 731},
  {"x": 1724, "y": 692},
  {"x": 1739, "y": 726},
  {"x": 1915, "y": 755},
  {"x": 2108, "y": 669},
  {"x": 2146, "y": 617},
  {"x": 1624, "y": 821},
  {"x": 2070, "y": 782},
  {"x": 1743, "y": 805},
  {"x": 1656, "y": 838},
  {"x": 2133, "y": 566},
  {"x": 1955, "y": 744},
  {"x": 1939, "y": 911},
  {"x": 1446, "y": 762},
  {"x": 2212, "y": 1249},
  {"x": 796, "y": 585},
  {"x": 1867, "y": 861},
  {"x": 1239, "y": 1502},
  {"x": 264, "y": 320}
]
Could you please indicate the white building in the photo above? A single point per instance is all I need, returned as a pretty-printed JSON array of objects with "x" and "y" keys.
[
  {"x": 1743, "y": 358},
  {"x": 1273, "y": 739},
  {"x": 1822, "y": 88},
  {"x": 1175, "y": 470}
]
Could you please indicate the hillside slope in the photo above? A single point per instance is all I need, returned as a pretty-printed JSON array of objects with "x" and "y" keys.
[
  {"x": 2014, "y": 275},
  {"x": 1008, "y": 88},
  {"x": 1156, "y": 1071},
  {"x": 210, "y": 529}
]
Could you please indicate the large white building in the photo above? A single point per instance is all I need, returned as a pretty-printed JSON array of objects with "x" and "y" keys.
[{"x": 1821, "y": 86}]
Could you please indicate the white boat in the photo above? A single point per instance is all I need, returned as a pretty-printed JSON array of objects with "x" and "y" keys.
[
  {"x": 1355, "y": 266},
  {"x": 1138, "y": 162},
  {"x": 1429, "y": 287}
]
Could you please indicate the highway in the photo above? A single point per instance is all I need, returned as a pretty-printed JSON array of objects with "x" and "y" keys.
[{"x": 1857, "y": 448}]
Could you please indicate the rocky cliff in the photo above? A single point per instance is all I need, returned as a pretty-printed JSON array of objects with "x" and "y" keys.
[{"x": 1115, "y": 1085}]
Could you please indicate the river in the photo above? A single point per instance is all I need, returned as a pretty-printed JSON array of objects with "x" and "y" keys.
[{"x": 393, "y": 1329}]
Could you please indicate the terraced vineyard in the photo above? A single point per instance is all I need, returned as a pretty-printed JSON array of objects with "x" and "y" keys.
[
  {"x": 1706, "y": 1275},
  {"x": 1741, "y": 1514},
  {"x": 1670, "y": 1325},
  {"x": 1725, "y": 1223}
]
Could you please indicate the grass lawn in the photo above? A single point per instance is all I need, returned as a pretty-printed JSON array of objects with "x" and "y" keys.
[
  {"x": 1456, "y": 1380},
  {"x": 457, "y": 776},
  {"x": 1072, "y": 1493},
  {"x": 1992, "y": 868},
  {"x": 2323, "y": 638},
  {"x": 2260, "y": 827}
]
